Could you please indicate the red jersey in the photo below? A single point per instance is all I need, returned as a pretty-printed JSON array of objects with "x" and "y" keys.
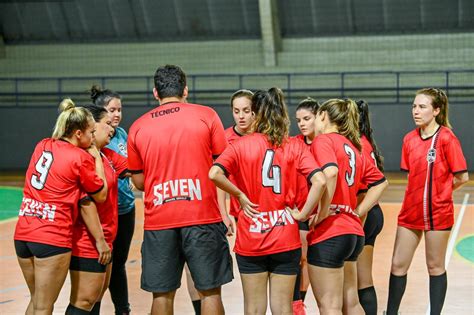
[
  {"x": 173, "y": 145},
  {"x": 57, "y": 173},
  {"x": 302, "y": 181},
  {"x": 368, "y": 152},
  {"x": 83, "y": 242},
  {"x": 431, "y": 164},
  {"x": 267, "y": 175},
  {"x": 231, "y": 135},
  {"x": 333, "y": 149}
]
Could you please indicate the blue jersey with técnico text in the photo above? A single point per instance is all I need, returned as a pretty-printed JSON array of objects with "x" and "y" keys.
[{"x": 126, "y": 198}]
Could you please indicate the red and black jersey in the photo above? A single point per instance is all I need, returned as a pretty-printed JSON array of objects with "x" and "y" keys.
[
  {"x": 267, "y": 175},
  {"x": 174, "y": 145},
  {"x": 333, "y": 149},
  {"x": 57, "y": 173},
  {"x": 232, "y": 135},
  {"x": 368, "y": 152},
  {"x": 431, "y": 164},
  {"x": 302, "y": 182},
  {"x": 83, "y": 242}
]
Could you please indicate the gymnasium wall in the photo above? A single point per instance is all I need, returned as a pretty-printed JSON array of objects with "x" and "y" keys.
[
  {"x": 327, "y": 54},
  {"x": 23, "y": 128}
]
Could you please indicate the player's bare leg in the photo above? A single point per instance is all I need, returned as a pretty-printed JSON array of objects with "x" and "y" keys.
[
  {"x": 328, "y": 288},
  {"x": 281, "y": 293},
  {"x": 27, "y": 266},
  {"x": 255, "y": 292},
  {"x": 351, "y": 303},
  {"x": 50, "y": 273}
]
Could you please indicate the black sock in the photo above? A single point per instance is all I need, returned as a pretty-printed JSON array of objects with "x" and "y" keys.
[
  {"x": 438, "y": 288},
  {"x": 296, "y": 290},
  {"x": 302, "y": 295},
  {"x": 197, "y": 307},
  {"x": 368, "y": 300},
  {"x": 72, "y": 310},
  {"x": 396, "y": 289},
  {"x": 96, "y": 309}
]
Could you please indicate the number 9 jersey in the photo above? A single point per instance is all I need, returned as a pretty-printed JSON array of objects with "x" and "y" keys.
[
  {"x": 333, "y": 149},
  {"x": 268, "y": 177},
  {"x": 57, "y": 174}
]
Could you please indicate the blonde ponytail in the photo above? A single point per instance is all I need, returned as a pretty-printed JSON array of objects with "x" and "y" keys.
[{"x": 71, "y": 118}]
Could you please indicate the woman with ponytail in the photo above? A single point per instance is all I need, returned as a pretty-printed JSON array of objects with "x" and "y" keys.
[
  {"x": 338, "y": 238},
  {"x": 112, "y": 102},
  {"x": 264, "y": 166},
  {"x": 433, "y": 158},
  {"x": 373, "y": 222},
  {"x": 59, "y": 173}
]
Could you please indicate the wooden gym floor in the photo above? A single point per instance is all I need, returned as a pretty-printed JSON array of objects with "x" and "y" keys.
[{"x": 14, "y": 295}]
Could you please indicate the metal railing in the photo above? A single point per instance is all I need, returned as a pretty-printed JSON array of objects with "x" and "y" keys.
[{"x": 383, "y": 87}]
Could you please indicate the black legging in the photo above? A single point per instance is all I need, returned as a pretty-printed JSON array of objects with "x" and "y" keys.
[{"x": 118, "y": 281}]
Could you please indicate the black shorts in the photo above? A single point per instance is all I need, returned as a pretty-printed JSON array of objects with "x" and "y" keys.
[
  {"x": 25, "y": 249},
  {"x": 373, "y": 225},
  {"x": 86, "y": 264},
  {"x": 284, "y": 263},
  {"x": 303, "y": 225},
  {"x": 333, "y": 252},
  {"x": 203, "y": 247}
]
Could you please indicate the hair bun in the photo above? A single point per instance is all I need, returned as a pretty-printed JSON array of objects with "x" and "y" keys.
[
  {"x": 66, "y": 104},
  {"x": 95, "y": 92}
]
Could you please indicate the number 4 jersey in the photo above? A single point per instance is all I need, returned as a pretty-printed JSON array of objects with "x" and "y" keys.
[
  {"x": 333, "y": 149},
  {"x": 268, "y": 176},
  {"x": 57, "y": 173}
]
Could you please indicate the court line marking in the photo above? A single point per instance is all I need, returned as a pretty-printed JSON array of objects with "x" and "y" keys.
[{"x": 453, "y": 237}]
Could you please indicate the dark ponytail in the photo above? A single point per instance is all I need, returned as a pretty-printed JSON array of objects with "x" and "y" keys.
[
  {"x": 102, "y": 97},
  {"x": 366, "y": 130}
]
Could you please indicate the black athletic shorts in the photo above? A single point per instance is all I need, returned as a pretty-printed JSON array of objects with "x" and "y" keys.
[
  {"x": 373, "y": 225},
  {"x": 203, "y": 247},
  {"x": 284, "y": 263},
  {"x": 86, "y": 264},
  {"x": 303, "y": 225},
  {"x": 25, "y": 249},
  {"x": 333, "y": 252}
]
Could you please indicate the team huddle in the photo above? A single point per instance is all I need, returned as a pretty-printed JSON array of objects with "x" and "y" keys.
[{"x": 304, "y": 209}]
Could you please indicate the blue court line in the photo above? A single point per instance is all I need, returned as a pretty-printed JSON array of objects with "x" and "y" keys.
[{"x": 23, "y": 286}]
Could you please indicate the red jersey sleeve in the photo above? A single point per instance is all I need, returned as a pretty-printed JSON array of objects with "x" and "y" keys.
[
  {"x": 119, "y": 162},
  {"x": 404, "y": 163},
  {"x": 455, "y": 156},
  {"x": 218, "y": 139},
  {"x": 227, "y": 161},
  {"x": 135, "y": 163},
  {"x": 307, "y": 165},
  {"x": 371, "y": 176},
  {"x": 88, "y": 177},
  {"x": 322, "y": 149}
]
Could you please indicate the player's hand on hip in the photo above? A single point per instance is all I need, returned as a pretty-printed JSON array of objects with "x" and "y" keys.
[{"x": 248, "y": 206}]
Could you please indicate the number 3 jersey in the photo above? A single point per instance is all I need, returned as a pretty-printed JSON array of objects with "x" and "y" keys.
[
  {"x": 333, "y": 149},
  {"x": 57, "y": 174},
  {"x": 431, "y": 164},
  {"x": 268, "y": 177}
]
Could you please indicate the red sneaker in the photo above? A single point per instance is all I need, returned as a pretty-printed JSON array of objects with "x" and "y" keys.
[{"x": 298, "y": 308}]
